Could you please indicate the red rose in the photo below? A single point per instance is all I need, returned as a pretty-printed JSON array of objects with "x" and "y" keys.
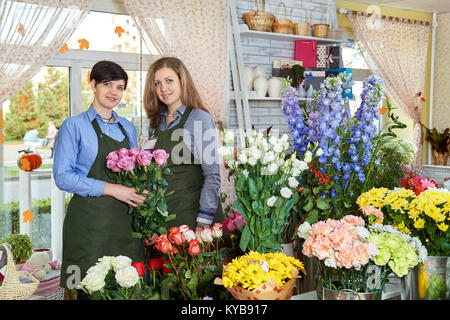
[
  {"x": 140, "y": 268},
  {"x": 177, "y": 237}
]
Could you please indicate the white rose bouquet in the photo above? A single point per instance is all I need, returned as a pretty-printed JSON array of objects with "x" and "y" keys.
[
  {"x": 266, "y": 185},
  {"x": 117, "y": 278}
]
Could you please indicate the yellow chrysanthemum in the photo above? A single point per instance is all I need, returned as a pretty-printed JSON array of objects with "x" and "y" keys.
[
  {"x": 443, "y": 227},
  {"x": 373, "y": 197},
  {"x": 402, "y": 228},
  {"x": 419, "y": 224}
]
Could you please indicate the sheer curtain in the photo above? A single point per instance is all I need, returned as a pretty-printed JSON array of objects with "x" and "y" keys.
[
  {"x": 195, "y": 31},
  {"x": 395, "y": 49},
  {"x": 31, "y": 32}
]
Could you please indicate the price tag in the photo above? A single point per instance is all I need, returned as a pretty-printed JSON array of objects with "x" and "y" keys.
[{"x": 149, "y": 144}]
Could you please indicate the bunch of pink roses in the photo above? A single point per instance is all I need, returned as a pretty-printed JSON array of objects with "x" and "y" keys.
[
  {"x": 144, "y": 170},
  {"x": 194, "y": 259}
]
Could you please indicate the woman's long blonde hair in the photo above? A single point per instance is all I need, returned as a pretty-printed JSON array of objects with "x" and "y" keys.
[{"x": 189, "y": 94}]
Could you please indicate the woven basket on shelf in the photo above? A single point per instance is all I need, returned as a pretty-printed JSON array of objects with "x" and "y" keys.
[
  {"x": 335, "y": 33},
  {"x": 320, "y": 30},
  {"x": 282, "y": 25},
  {"x": 12, "y": 288},
  {"x": 302, "y": 28},
  {"x": 259, "y": 20}
]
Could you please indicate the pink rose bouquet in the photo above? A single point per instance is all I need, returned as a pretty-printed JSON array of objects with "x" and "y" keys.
[
  {"x": 143, "y": 170},
  {"x": 194, "y": 261}
]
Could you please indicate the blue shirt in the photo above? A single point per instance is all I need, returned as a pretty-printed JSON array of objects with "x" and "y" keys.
[
  {"x": 199, "y": 134},
  {"x": 76, "y": 149}
]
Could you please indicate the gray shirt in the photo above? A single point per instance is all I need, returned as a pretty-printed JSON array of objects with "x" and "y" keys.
[{"x": 199, "y": 134}]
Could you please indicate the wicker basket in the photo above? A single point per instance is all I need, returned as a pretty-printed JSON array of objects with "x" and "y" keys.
[
  {"x": 302, "y": 28},
  {"x": 282, "y": 25},
  {"x": 259, "y": 20},
  {"x": 12, "y": 288},
  {"x": 335, "y": 33},
  {"x": 320, "y": 30}
]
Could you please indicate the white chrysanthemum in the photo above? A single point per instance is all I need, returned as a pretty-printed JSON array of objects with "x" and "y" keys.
[
  {"x": 127, "y": 277},
  {"x": 286, "y": 192},
  {"x": 362, "y": 232},
  {"x": 331, "y": 262},
  {"x": 304, "y": 230},
  {"x": 293, "y": 183},
  {"x": 271, "y": 201},
  {"x": 373, "y": 249}
]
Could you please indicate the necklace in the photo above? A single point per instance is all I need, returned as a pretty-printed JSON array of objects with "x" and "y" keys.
[{"x": 108, "y": 119}]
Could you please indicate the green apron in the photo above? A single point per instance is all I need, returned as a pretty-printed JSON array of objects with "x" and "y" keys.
[
  {"x": 98, "y": 226},
  {"x": 186, "y": 179}
]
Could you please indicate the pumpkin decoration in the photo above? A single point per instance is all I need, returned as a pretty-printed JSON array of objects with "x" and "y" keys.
[{"x": 29, "y": 161}]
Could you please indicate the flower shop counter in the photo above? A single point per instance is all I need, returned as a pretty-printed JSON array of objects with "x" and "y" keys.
[{"x": 392, "y": 291}]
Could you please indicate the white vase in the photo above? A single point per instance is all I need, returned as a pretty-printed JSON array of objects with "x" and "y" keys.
[
  {"x": 249, "y": 77},
  {"x": 260, "y": 85},
  {"x": 310, "y": 91},
  {"x": 258, "y": 72},
  {"x": 274, "y": 86},
  {"x": 301, "y": 91}
]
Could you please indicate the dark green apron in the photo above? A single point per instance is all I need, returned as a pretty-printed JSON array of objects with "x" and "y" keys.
[
  {"x": 186, "y": 179},
  {"x": 98, "y": 226}
]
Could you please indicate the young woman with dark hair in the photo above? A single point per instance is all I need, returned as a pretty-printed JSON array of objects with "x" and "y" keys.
[{"x": 97, "y": 223}]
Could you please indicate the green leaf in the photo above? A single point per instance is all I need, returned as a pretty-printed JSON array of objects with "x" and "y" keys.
[
  {"x": 312, "y": 216},
  {"x": 245, "y": 238},
  {"x": 322, "y": 204},
  {"x": 258, "y": 208},
  {"x": 136, "y": 235},
  {"x": 309, "y": 205},
  {"x": 252, "y": 189}
]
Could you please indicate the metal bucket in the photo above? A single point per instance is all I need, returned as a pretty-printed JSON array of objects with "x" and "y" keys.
[
  {"x": 409, "y": 285},
  {"x": 347, "y": 294},
  {"x": 432, "y": 282}
]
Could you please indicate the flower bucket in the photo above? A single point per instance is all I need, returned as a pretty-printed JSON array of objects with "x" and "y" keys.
[
  {"x": 267, "y": 291},
  {"x": 409, "y": 285},
  {"x": 348, "y": 294},
  {"x": 440, "y": 159},
  {"x": 432, "y": 278}
]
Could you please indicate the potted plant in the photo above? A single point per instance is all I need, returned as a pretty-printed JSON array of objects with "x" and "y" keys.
[
  {"x": 21, "y": 247},
  {"x": 440, "y": 142}
]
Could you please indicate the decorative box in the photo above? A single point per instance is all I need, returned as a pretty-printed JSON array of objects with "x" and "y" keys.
[
  {"x": 321, "y": 57},
  {"x": 333, "y": 57},
  {"x": 306, "y": 51}
]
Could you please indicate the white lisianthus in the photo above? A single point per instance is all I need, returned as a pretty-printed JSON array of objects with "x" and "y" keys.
[
  {"x": 255, "y": 153},
  {"x": 127, "y": 277},
  {"x": 293, "y": 183},
  {"x": 271, "y": 201},
  {"x": 272, "y": 169},
  {"x": 120, "y": 262},
  {"x": 319, "y": 152},
  {"x": 268, "y": 157},
  {"x": 245, "y": 173},
  {"x": 278, "y": 148},
  {"x": 284, "y": 137},
  {"x": 243, "y": 157},
  {"x": 273, "y": 140},
  {"x": 308, "y": 156},
  {"x": 304, "y": 230},
  {"x": 295, "y": 172},
  {"x": 93, "y": 281},
  {"x": 226, "y": 152},
  {"x": 252, "y": 161},
  {"x": 286, "y": 192},
  {"x": 228, "y": 137}
]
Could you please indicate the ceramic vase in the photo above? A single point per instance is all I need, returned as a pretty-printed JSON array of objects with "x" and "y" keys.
[
  {"x": 301, "y": 91},
  {"x": 274, "y": 86},
  {"x": 249, "y": 77},
  {"x": 260, "y": 85},
  {"x": 258, "y": 72},
  {"x": 310, "y": 91}
]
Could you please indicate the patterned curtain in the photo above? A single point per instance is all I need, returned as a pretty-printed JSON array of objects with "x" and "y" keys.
[
  {"x": 31, "y": 32},
  {"x": 195, "y": 31},
  {"x": 395, "y": 49}
]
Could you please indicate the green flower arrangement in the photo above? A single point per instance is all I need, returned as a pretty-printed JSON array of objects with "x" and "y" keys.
[{"x": 21, "y": 246}]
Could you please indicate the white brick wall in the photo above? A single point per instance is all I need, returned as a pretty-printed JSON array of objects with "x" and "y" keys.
[
  {"x": 436, "y": 173},
  {"x": 262, "y": 52}
]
